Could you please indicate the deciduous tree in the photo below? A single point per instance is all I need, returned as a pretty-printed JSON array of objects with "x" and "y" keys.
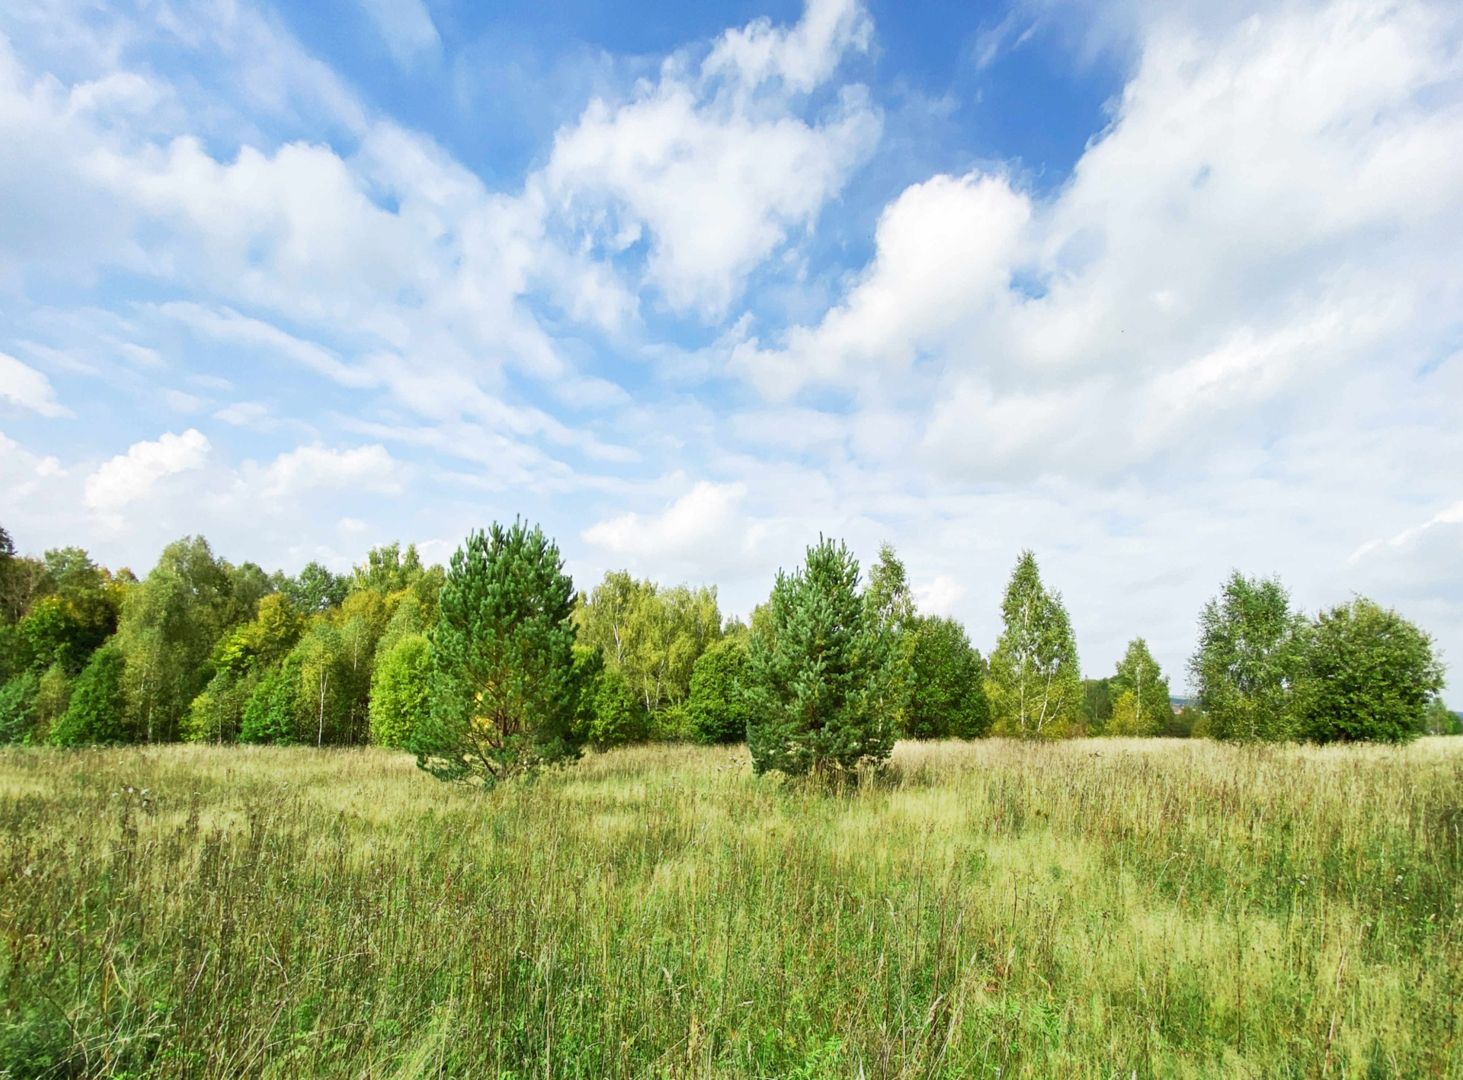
[
  {"x": 1251, "y": 650},
  {"x": 1035, "y": 683},
  {"x": 1368, "y": 676}
]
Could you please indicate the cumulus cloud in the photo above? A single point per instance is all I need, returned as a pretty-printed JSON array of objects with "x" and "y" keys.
[
  {"x": 134, "y": 475},
  {"x": 705, "y": 526},
  {"x": 710, "y": 166},
  {"x": 308, "y": 468},
  {"x": 28, "y": 388}
]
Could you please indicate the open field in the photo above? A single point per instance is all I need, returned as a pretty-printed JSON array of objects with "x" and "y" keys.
[{"x": 1093, "y": 908}]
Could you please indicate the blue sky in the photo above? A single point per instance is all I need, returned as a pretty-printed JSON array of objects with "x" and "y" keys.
[{"x": 1155, "y": 290}]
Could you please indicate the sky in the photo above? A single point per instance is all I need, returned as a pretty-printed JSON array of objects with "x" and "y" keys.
[{"x": 1158, "y": 291}]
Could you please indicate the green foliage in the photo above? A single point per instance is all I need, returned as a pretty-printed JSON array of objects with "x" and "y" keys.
[
  {"x": 891, "y": 605},
  {"x": 170, "y": 625},
  {"x": 1096, "y": 709},
  {"x": 315, "y": 589},
  {"x": 817, "y": 684},
  {"x": 616, "y": 715},
  {"x": 1035, "y": 682},
  {"x": 652, "y": 634},
  {"x": 504, "y": 691},
  {"x": 388, "y": 569},
  {"x": 1368, "y": 676},
  {"x": 96, "y": 712},
  {"x": 1142, "y": 707},
  {"x": 18, "y": 707},
  {"x": 717, "y": 707},
  {"x": 401, "y": 691},
  {"x": 1251, "y": 649},
  {"x": 1438, "y": 719},
  {"x": 324, "y": 693},
  {"x": 272, "y": 713},
  {"x": 216, "y": 715},
  {"x": 53, "y": 695},
  {"x": 947, "y": 682}
]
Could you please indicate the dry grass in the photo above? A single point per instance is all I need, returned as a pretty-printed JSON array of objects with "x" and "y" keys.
[{"x": 1094, "y": 908}]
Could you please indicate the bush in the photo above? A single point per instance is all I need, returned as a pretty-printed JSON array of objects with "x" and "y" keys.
[
  {"x": 401, "y": 695},
  {"x": 717, "y": 708},
  {"x": 947, "y": 685},
  {"x": 617, "y": 717},
  {"x": 18, "y": 708},
  {"x": 97, "y": 712},
  {"x": 818, "y": 672},
  {"x": 1368, "y": 676},
  {"x": 273, "y": 712}
]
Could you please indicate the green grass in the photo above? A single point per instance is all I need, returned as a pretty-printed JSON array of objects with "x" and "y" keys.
[{"x": 1093, "y": 908}]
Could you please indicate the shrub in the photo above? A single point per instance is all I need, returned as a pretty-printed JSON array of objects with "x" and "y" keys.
[
  {"x": 947, "y": 686},
  {"x": 717, "y": 707},
  {"x": 401, "y": 691},
  {"x": 18, "y": 707},
  {"x": 1368, "y": 676},
  {"x": 97, "y": 711}
]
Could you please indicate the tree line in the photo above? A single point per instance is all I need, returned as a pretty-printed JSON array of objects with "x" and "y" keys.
[{"x": 495, "y": 663}]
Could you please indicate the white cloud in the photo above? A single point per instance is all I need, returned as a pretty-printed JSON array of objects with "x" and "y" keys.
[
  {"x": 802, "y": 57},
  {"x": 710, "y": 169},
  {"x": 28, "y": 388},
  {"x": 704, "y": 526},
  {"x": 309, "y": 468},
  {"x": 939, "y": 595},
  {"x": 134, "y": 475},
  {"x": 406, "y": 27}
]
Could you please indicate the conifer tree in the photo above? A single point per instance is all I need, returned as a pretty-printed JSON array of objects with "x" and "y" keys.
[
  {"x": 505, "y": 695},
  {"x": 818, "y": 672}
]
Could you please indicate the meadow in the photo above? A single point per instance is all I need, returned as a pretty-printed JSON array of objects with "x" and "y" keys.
[{"x": 1093, "y": 908}]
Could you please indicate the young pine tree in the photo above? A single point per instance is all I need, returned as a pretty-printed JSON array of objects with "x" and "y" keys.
[
  {"x": 1035, "y": 685},
  {"x": 818, "y": 672},
  {"x": 505, "y": 694}
]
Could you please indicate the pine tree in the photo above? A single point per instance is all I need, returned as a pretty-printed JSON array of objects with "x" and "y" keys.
[
  {"x": 505, "y": 695},
  {"x": 818, "y": 672}
]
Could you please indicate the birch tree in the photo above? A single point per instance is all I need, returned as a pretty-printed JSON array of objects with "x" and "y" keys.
[{"x": 1035, "y": 684}]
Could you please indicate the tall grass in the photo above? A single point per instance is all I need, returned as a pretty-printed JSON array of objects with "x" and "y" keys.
[{"x": 992, "y": 909}]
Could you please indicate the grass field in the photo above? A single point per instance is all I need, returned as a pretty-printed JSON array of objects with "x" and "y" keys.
[{"x": 1093, "y": 908}]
